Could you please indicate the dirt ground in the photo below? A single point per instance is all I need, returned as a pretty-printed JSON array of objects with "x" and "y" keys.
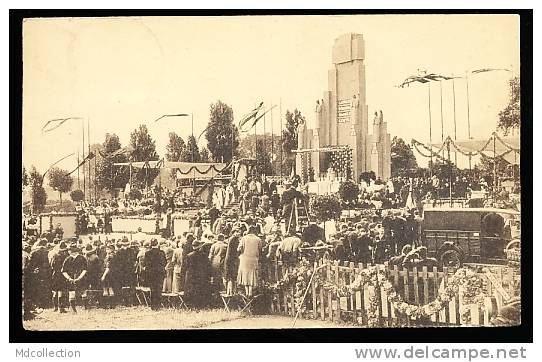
[{"x": 130, "y": 318}]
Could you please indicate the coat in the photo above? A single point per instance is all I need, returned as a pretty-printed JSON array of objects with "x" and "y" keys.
[{"x": 155, "y": 264}]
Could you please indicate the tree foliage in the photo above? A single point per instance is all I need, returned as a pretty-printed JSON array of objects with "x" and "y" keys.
[
  {"x": 403, "y": 159},
  {"x": 77, "y": 195},
  {"x": 325, "y": 207},
  {"x": 222, "y": 135},
  {"x": 191, "y": 152},
  {"x": 510, "y": 116},
  {"x": 25, "y": 177},
  {"x": 143, "y": 149},
  {"x": 60, "y": 181},
  {"x": 38, "y": 196},
  {"x": 175, "y": 147},
  {"x": 263, "y": 159},
  {"x": 204, "y": 154},
  {"x": 107, "y": 175},
  {"x": 348, "y": 191}
]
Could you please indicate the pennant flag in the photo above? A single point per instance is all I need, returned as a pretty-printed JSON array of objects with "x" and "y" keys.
[
  {"x": 432, "y": 77},
  {"x": 260, "y": 117},
  {"x": 252, "y": 114},
  {"x": 484, "y": 70},
  {"x": 55, "y": 123},
  {"x": 88, "y": 157},
  {"x": 120, "y": 151},
  {"x": 171, "y": 115}
]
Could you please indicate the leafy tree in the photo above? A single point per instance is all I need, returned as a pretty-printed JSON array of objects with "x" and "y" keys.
[
  {"x": 263, "y": 159},
  {"x": 289, "y": 138},
  {"x": 510, "y": 116},
  {"x": 402, "y": 158},
  {"x": 175, "y": 147},
  {"x": 38, "y": 196},
  {"x": 325, "y": 207},
  {"x": 204, "y": 155},
  {"x": 60, "y": 181},
  {"x": 143, "y": 149},
  {"x": 77, "y": 195},
  {"x": 348, "y": 191},
  {"x": 191, "y": 152},
  {"x": 107, "y": 175},
  {"x": 222, "y": 135},
  {"x": 25, "y": 177}
]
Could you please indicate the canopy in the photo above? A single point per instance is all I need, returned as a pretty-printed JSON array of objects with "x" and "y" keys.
[{"x": 184, "y": 169}]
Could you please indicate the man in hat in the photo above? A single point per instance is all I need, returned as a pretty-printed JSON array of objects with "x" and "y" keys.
[
  {"x": 74, "y": 270},
  {"x": 94, "y": 272},
  {"x": 155, "y": 263},
  {"x": 40, "y": 275},
  {"x": 58, "y": 281}
]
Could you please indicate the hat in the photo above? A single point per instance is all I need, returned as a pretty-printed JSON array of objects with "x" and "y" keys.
[
  {"x": 74, "y": 247},
  {"x": 220, "y": 237},
  {"x": 146, "y": 244},
  {"x": 111, "y": 246},
  {"x": 190, "y": 235},
  {"x": 26, "y": 247},
  {"x": 89, "y": 248},
  {"x": 62, "y": 246},
  {"x": 42, "y": 242},
  {"x": 154, "y": 243},
  {"x": 135, "y": 243},
  {"x": 56, "y": 240}
]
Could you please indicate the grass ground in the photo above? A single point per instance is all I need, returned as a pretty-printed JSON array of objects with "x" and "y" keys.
[{"x": 124, "y": 318}]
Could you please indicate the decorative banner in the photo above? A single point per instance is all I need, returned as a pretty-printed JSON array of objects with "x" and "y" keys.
[{"x": 343, "y": 110}]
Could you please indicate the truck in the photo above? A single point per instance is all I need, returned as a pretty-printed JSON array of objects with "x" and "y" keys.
[{"x": 471, "y": 235}]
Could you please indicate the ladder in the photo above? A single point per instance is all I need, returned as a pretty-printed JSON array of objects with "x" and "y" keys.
[{"x": 299, "y": 218}]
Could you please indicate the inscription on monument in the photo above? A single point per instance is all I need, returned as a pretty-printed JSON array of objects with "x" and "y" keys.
[{"x": 343, "y": 110}]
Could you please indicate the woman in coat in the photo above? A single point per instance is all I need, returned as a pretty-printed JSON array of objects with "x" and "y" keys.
[
  {"x": 178, "y": 260},
  {"x": 231, "y": 261},
  {"x": 249, "y": 248}
]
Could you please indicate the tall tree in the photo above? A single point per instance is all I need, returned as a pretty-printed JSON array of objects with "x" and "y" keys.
[
  {"x": 175, "y": 147},
  {"x": 191, "y": 152},
  {"x": 510, "y": 116},
  {"x": 108, "y": 176},
  {"x": 38, "y": 196},
  {"x": 402, "y": 158},
  {"x": 205, "y": 155},
  {"x": 222, "y": 135},
  {"x": 25, "y": 178},
  {"x": 143, "y": 149},
  {"x": 60, "y": 181},
  {"x": 289, "y": 137},
  {"x": 263, "y": 159}
]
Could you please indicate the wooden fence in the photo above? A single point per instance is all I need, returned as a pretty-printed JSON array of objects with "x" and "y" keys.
[{"x": 416, "y": 286}]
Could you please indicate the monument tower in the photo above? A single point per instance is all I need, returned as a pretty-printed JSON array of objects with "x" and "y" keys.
[{"x": 342, "y": 117}]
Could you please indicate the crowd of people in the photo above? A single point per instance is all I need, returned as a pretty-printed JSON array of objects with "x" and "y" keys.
[{"x": 225, "y": 250}]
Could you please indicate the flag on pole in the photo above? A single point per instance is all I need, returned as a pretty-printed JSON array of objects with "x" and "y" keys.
[
  {"x": 55, "y": 123},
  {"x": 484, "y": 70},
  {"x": 171, "y": 115},
  {"x": 252, "y": 114},
  {"x": 260, "y": 117}
]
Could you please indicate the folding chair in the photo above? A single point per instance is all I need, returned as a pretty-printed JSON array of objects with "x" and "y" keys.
[
  {"x": 141, "y": 293},
  {"x": 247, "y": 301},
  {"x": 226, "y": 300},
  {"x": 175, "y": 300}
]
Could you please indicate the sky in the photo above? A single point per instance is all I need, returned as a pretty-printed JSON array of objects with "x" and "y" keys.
[{"x": 117, "y": 73}]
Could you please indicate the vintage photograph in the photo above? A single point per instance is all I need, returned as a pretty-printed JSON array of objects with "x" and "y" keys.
[{"x": 271, "y": 172}]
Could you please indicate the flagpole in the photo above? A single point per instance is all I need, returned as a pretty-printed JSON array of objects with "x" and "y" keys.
[
  {"x": 78, "y": 180},
  {"x": 455, "y": 124},
  {"x": 430, "y": 132},
  {"x": 84, "y": 175},
  {"x": 280, "y": 118},
  {"x": 468, "y": 114},
  {"x": 272, "y": 141},
  {"x": 441, "y": 117},
  {"x": 264, "y": 139},
  {"x": 89, "y": 163}
]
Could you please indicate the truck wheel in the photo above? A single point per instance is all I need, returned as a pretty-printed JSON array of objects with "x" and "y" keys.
[{"x": 451, "y": 259}]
